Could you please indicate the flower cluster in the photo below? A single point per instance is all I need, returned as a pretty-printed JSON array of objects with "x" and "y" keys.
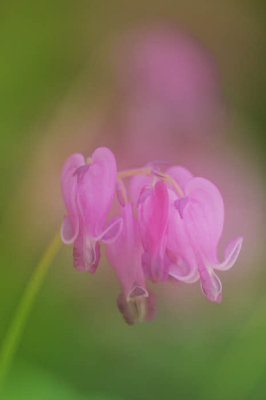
[{"x": 169, "y": 227}]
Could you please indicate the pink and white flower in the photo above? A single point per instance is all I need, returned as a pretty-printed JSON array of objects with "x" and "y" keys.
[
  {"x": 195, "y": 227},
  {"x": 175, "y": 234},
  {"x": 135, "y": 302},
  {"x": 88, "y": 191}
]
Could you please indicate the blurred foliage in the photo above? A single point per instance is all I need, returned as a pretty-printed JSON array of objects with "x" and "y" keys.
[
  {"x": 29, "y": 382},
  {"x": 76, "y": 345}
]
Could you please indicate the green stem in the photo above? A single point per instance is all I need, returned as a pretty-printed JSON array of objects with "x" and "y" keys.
[
  {"x": 132, "y": 172},
  {"x": 15, "y": 330},
  {"x": 148, "y": 171}
]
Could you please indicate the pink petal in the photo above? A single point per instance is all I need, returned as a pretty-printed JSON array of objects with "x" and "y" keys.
[
  {"x": 113, "y": 230},
  {"x": 137, "y": 184},
  {"x": 153, "y": 216},
  {"x": 68, "y": 230},
  {"x": 124, "y": 253},
  {"x": 135, "y": 302},
  {"x": 210, "y": 284},
  {"x": 86, "y": 253},
  {"x": 180, "y": 174},
  {"x": 231, "y": 254},
  {"x": 96, "y": 190},
  {"x": 184, "y": 271},
  {"x": 183, "y": 264},
  {"x": 70, "y": 225},
  {"x": 144, "y": 194},
  {"x": 204, "y": 216},
  {"x": 180, "y": 205},
  {"x": 155, "y": 265},
  {"x": 178, "y": 241},
  {"x": 153, "y": 220}
]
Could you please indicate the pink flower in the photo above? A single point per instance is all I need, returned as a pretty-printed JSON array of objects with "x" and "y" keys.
[
  {"x": 195, "y": 227},
  {"x": 153, "y": 219},
  {"x": 88, "y": 191},
  {"x": 135, "y": 302},
  {"x": 150, "y": 197},
  {"x": 175, "y": 235}
]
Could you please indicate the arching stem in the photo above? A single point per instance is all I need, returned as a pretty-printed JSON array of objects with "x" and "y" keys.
[
  {"x": 15, "y": 330},
  {"x": 149, "y": 171}
]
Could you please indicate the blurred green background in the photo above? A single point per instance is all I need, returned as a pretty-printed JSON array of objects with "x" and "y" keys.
[{"x": 76, "y": 345}]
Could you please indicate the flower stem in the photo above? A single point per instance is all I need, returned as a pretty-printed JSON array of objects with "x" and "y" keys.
[
  {"x": 148, "y": 171},
  {"x": 170, "y": 180},
  {"x": 131, "y": 172},
  {"x": 15, "y": 330},
  {"x": 121, "y": 190}
]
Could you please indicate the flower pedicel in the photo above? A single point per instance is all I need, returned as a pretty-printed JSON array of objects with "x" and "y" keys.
[{"x": 175, "y": 234}]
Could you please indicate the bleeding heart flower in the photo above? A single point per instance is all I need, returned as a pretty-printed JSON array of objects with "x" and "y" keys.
[
  {"x": 195, "y": 227},
  {"x": 88, "y": 190},
  {"x": 153, "y": 219},
  {"x": 135, "y": 302},
  {"x": 176, "y": 232}
]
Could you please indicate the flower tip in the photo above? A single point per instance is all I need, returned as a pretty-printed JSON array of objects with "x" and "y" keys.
[
  {"x": 219, "y": 298},
  {"x": 137, "y": 291},
  {"x": 231, "y": 254},
  {"x": 214, "y": 298},
  {"x": 67, "y": 233},
  {"x": 86, "y": 258},
  {"x": 140, "y": 305},
  {"x": 74, "y": 161},
  {"x": 112, "y": 231},
  {"x": 103, "y": 153}
]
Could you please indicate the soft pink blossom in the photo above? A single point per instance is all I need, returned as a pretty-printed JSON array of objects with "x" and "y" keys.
[
  {"x": 88, "y": 190},
  {"x": 175, "y": 234},
  {"x": 135, "y": 302},
  {"x": 153, "y": 219},
  {"x": 195, "y": 227}
]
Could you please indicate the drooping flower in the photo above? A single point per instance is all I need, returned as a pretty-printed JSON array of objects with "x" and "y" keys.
[
  {"x": 175, "y": 234},
  {"x": 88, "y": 190},
  {"x": 195, "y": 227},
  {"x": 135, "y": 302},
  {"x": 153, "y": 219}
]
